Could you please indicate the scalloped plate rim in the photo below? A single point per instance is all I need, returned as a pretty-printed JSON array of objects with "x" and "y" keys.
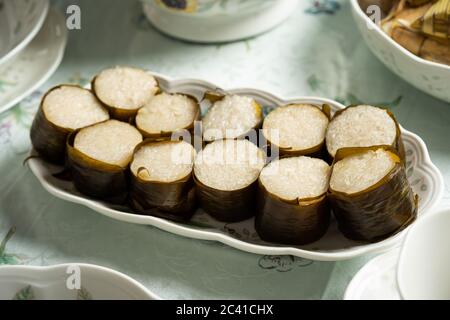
[{"x": 423, "y": 159}]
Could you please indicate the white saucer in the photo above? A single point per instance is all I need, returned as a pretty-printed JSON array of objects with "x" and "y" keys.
[
  {"x": 376, "y": 280},
  {"x": 77, "y": 281},
  {"x": 35, "y": 64}
]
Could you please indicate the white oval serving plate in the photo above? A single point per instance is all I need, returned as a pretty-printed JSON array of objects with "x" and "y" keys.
[
  {"x": 35, "y": 64},
  {"x": 430, "y": 77},
  {"x": 20, "y": 21},
  {"x": 60, "y": 282},
  {"x": 424, "y": 177}
]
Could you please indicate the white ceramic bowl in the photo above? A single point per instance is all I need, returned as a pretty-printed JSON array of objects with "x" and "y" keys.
[
  {"x": 59, "y": 283},
  {"x": 40, "y": 59},
  {"x": 20, "y": 21},
  {"x": 430, "y": 77},
  {"x": 423, "y": 270},
  {"x": 217, "y": 21},
  {"x": 424, "y": 177}
]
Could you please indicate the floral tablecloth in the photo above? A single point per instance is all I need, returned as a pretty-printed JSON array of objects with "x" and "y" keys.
[{"x": 318, "y": 51}]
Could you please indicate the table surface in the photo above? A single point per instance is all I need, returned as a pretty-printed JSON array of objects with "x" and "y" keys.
[{"x": 315, "y": 52}]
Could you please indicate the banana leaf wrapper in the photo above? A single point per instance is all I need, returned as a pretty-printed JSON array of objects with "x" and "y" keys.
[
  {"x": 96, "y": 178},
  {"x": 317, "y": 151},
  {"x": 214, "y": 96},
  {"x": 171, "y": 200},
  {"x": 165, "y": 135},
  {"x": 227, "y": 206},
  {"x": 297, "y": 222},
  {"x": 435, "y": 22},
  {"x": 426, "y": 48},
  {"x": 116, "y": 112},
  {"x": 48, "y": 139},
  {"x": 416, "y": 3},
  {"x": 397, "y": 144},
  {"x": 381, "y": 210}
]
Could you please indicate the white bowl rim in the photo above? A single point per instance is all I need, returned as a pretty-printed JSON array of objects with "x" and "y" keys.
[
  {"x": 64, "y": 266},
  {"x": 401, "y": 257},
  {"x": 410, "y": 55},
  {"x": 34, "y": 31}
]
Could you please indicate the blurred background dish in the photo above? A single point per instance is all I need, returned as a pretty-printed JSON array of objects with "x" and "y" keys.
[
  {"x": 419, "y": 270},
  {"x": 216, "y": 21},
  {"x": 20, "y": 21},
  {"x": 428, "y": 76},
  {"x": 51, "y": 283},
  {"x": 35, "y": 64},
  {"x": 424, "y": 263}
]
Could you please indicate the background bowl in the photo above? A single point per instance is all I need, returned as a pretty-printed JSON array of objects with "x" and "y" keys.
[
  {"x": 20, "y": 21},
  {"x": 51, "y": 283},
  {"x": 216, "y": 21},
  {"x": 423, "y": 270},
  {"x": 430, "y": 77}
]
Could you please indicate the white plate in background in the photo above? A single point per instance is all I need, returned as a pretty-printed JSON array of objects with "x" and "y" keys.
[
  {"x": 20, "y": 21},
  {"x": 376, "y": 280},
  {"x": 425, "y": 178},
  {"x": 57, "y": 283},
  {"x": 35, "y": 64},
  {"x": 428, "y": 76}
]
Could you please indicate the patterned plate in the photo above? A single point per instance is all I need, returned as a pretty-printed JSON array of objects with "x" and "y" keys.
[
  {"x": 75, "y": 281},
  {"x": 424, "y": 177},
  {"x": 35, "y": 64}
]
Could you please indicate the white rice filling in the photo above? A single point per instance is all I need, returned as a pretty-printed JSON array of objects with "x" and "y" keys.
[
  {"x": 296, "y": 178},
  {"x": 167, "y": 113},
  {"x": 297, "y": 126},
  {"x": 125, "y": 88},
  {"x": 361, "y": 126},
  {"x": 163, "y": 161},
  {"x": 112, "y": 142},
  {"x": 361, "y": 171},
  {"x": 231, "y": 117},
  {"x": 73, "y": 108},
  {"x": 229, "y": 164}
]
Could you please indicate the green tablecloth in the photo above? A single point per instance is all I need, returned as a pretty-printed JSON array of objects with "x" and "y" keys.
[{"x": 318, "y": 51}]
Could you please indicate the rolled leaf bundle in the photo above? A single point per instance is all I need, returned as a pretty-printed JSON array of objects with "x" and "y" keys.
[
  {"x": 416, "y": 3},
  {"x": 231, "y": 117},
  {"x": 363, "y": 126},
  {"x": 436, "y": 20},
  {"x": 124, "y": 90},
  {"x": 226, "y": 174},
  {"x": 370, "y": 194},
  {"x": 297, "y": 129},
  {"x": 63, "y": 109},
  {"x": 422, "y": 27},
  {"x": 292, "y": 203},
  {"x": 99, "y": 156},
  {"x": 161, "y": 180},
  {"x": 167, "y": 113}
]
